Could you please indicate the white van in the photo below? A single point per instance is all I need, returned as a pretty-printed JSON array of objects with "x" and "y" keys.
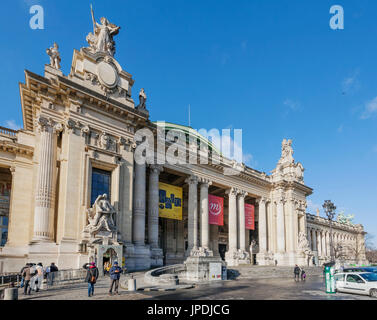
[{"x": 357, "y": 282}]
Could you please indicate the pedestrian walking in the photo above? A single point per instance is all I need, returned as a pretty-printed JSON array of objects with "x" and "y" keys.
[
  {"x": 26, "y": 274},
  {"x": 115, "y": 272},
  {"x": 297, "y": 272},
  {"x": 22, "y": 277},
  {"x": 37, "y": 279},
  {"x": 303, "y": 275},
  {"x": 91, "y": 276}
]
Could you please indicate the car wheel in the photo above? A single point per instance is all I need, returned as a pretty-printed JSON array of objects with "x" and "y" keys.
[{"x": 373, "y": 293}]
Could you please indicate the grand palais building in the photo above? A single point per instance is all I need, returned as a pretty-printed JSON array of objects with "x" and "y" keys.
[{"x": 72, "y": 192}]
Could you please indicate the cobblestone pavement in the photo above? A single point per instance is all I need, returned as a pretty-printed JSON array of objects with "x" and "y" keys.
[{"x": 242, "y": 289}]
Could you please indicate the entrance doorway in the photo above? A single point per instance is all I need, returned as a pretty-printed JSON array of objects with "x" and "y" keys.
[
  {"x": 222, "y": 250},
  {"x": 109, "y": 257}
]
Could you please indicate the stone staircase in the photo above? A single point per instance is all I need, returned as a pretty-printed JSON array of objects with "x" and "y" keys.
[{"x": 263, "y": 272}]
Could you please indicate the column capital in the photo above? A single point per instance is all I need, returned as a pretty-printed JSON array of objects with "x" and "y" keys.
[
  {"x": 156, "y": 168},
  {"x": 242, "y": 194},
  {"x": 205, "y": 182},
  {"x": 262, "y": 200},
  {"x": 232, "y": 191},
  {"x": 192, "y": 180},
  {"x": 280, "y": 199}
]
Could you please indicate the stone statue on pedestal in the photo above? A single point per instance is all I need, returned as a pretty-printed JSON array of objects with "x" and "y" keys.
[
  {"x": 143, "y": 100},
  {"x": 54, "y": 54},
  {"x": 100, "y": 217},
  {"x": 101, "y": 40}
]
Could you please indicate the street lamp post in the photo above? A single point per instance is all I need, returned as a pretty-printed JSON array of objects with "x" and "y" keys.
[{"x": 329, "y": 209}]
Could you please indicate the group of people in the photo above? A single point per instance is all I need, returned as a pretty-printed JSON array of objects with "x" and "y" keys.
[
  {"x": 299, "y": 271},
  {"x": 32, "y": 276},
  {"x": 93, "y": 273}
]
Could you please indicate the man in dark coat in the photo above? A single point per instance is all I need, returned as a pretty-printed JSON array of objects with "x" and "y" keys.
[
  {"x": 115, "y": 272},
  {"x": 91, "y": 276},
  {"x": 297, "y": 273}
]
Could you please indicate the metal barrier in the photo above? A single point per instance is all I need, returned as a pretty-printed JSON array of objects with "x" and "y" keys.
[{"x": 52, "y": 278}]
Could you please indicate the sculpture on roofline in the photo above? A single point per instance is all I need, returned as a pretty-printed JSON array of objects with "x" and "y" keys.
[
  {"x": 101, "y": 40},
  {"x": 54, "y": 54},
  {"x": 142, "y": 100}
]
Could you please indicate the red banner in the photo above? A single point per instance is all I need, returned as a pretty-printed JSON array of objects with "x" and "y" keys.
[
  {"x": 249, "y": 216},
  {"x": 216, "y": 210}
]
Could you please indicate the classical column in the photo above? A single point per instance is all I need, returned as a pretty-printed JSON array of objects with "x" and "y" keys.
[
  {"x": 309, "y": 238},
  {"x": 232, "y": 219},
  {"x": 280, "y": 225},
  {"x": 204, "y": 214},
  {"x": 139, "y": 205},
  {"x": 241, "y": 220},
  {"x": 153, "y": 202},
  {"x": 44, "y": 213},
  {"x": 262, "y": 225},
  {"x": 323, "y": 243},
  {"x": 291, "y": 224},
  {"x": 319, "y": 243},
  {"x": 314, "y": 240},
  {"x": 192, "y": 181}
]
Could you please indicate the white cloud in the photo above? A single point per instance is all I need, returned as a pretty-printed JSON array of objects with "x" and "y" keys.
[
  {"x": 11, "y": 124},
  {"x": 293, "y": 105},
  {"x": 351, "y": 83},
  {"x": 370, "y": 109}
]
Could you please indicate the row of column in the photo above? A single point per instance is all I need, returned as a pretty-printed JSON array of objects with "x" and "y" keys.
[{"x": 319, "y": 241}]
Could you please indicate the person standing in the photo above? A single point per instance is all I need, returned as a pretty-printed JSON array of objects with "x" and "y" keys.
[
  {"x": 115, "y": 272},
  {"x": 91, "y": 276},
  {"x": 22, "y": 277},
  {"x": 26, "y": 274},
  {"x": 297, "y": 272},
  {"x": 36, "y": 281},
  {"x": 53, "y": 269},
  {"x": 303, "y": 275}
]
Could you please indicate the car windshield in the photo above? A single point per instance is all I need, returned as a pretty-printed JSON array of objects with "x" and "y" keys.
[{"x": 372, "y": 277}]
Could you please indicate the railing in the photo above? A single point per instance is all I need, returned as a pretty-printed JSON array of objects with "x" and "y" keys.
[
  {"x": 53, "y": 278},
  {"x": 8, "y": 132}
]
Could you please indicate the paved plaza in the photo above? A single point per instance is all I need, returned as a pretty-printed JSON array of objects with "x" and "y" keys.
[{"x": 242, "y": 289}]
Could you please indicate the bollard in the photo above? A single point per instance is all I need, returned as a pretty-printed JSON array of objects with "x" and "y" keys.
[
  {"x": 132, "y": 284},
  {"x": 11, "y": 294}
]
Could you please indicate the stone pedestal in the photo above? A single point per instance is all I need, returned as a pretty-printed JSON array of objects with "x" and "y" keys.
[
  {"x": 11, "y": 294},
  {"x": 157, "y": 257},
  {"x": 142, "y": 258},
  {"x": 197, "y": 268}
]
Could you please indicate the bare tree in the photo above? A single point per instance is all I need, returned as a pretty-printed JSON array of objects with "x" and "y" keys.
[{"x": 370, "y": 249}]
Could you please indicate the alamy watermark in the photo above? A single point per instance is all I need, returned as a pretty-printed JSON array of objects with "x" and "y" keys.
[
  {"x": 337, "y": 20},
  {"x": 186, "y": 146},
  {"x": 37, "y": 19}
]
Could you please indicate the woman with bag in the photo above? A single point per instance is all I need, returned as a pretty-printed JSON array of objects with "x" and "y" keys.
[{"x": 91, "y": 276}]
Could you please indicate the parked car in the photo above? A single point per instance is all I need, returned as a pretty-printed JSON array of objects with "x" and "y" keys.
[
  {"x": 359, "y": 269},
  {"x": 364, "y": 283}
]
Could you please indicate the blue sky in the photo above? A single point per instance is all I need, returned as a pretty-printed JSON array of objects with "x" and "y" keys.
[{"x": 273, "y": 68}]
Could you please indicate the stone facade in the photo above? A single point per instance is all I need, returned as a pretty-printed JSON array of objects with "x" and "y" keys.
[{"x": 83, "y": 124}]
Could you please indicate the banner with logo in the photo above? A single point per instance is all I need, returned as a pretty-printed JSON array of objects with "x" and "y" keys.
[
  {"x": 170, "y": 201},
  {"x": 216, "y": 210},
  {"x": 249, "y": 216}
]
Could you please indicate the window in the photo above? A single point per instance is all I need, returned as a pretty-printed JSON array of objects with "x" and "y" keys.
[
  {"x": 339, "y": 277},
  {"x": 353, "y": 278},
  {"x": 370, "y": 277},
  {"x": 101, "y": 183}
]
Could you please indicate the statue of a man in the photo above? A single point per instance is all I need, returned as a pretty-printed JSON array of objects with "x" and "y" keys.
[
  {"x": 101, "y": 215},
  {"x": 142, "y": 99},
  {"x": 54, "y": 54}
]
